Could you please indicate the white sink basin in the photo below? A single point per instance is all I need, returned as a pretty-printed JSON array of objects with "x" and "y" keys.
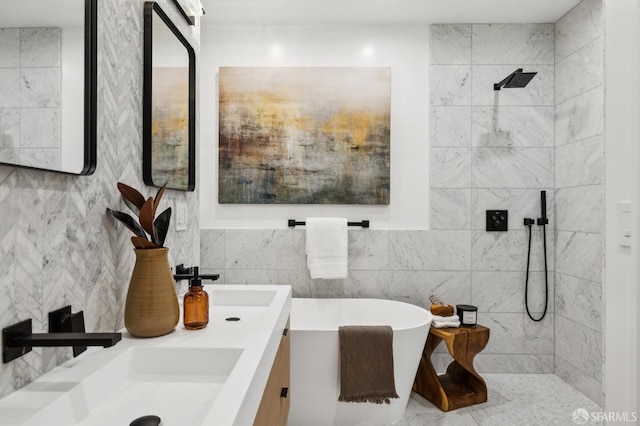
[
  {"x": 242, "y": 297},
  {"x": 179, "y": 385}
]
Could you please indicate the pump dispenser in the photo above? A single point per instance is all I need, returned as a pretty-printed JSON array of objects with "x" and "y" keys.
[{"x": 196, "y": 304}]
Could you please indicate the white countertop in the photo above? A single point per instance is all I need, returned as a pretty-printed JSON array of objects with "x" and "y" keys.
[{"x": 255, "y": 338}]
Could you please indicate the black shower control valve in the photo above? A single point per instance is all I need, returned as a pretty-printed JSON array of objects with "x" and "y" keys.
[
  {"x": 543, "y": 221},
  {"x": 497, "y": 220},
  {"x": 528, "y": 221}
]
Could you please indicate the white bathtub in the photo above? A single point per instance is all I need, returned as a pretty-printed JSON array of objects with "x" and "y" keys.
[{"x": 315, "y": 378}]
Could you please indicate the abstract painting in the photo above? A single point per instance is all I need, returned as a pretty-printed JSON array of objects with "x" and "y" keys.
[{"x": 296, "y": 135}]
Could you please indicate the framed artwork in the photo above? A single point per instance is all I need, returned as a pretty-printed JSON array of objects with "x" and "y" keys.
[
  {"x": 169, "y": 145},
  {"x": 304, "y": 135}
]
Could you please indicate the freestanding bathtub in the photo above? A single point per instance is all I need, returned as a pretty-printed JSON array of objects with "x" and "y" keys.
[{"x": 315, "y": 375}]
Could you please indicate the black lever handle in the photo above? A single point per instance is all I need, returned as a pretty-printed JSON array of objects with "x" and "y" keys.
[
  {"x": 192, "y": 272},
  {"x": 181, "y": 270},
  {"x": 63, "y": 321}
]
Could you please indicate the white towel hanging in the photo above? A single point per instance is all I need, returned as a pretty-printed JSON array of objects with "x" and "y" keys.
[{"x": 327, "y": 247}]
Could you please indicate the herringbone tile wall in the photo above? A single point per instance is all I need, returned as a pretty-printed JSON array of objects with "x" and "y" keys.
[{"x": 57, "y": 246}]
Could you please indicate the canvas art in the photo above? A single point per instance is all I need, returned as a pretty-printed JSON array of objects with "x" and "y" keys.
[{"x": 304, "y": 135}]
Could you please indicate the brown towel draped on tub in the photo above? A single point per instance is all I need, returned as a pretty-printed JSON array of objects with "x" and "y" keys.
[{"x": 366, "y": 364}]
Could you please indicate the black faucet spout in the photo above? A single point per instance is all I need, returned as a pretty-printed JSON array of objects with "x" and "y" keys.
[
  {"x": 18, "y": 339},
  {"x": 105, "y": 340}
]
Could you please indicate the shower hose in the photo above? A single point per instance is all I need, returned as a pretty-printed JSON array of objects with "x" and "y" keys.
[{"x": 529, "y": 223}]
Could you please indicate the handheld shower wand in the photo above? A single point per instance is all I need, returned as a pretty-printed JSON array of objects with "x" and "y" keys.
[{"x": 542, "y": 220}]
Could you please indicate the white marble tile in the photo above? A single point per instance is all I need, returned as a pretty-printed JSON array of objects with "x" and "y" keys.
[
  {"x": 512, "y": 126},
  {"x": 500, "y": 291},
  {"x": 513, "y": 363},
  {"x": 366, "y": 284},
  {"x": 264, "y": 249},
  {"x": 513, "y": 43},
  {"x": 212, "y": 248},
  {"x": 579, "y": 300},
  {"x": 507, "y": 251},
  {"x": 589, "y": 386},
  {"x": 580, "y": 208},
  {"x": 581, "y": 25},
  {"x": 529, "y": 399},
  {"x": 429, "y": 250},
  {"x": 40, "y": 87},
  {"x": 581, "y": 71},
  {"x": 292, "y": 277},
  {"x": 368, "y": 249},
  {"x": 450, "y": 44},
  {"x": 450, "y": 168},
  {"x": 450, "y": 126},
  {"x": 580, "y": 117},
  {"x": 9, "y": 155},
  {"x": 40, "y": 128},
  {"x": 515, "y": 333},
  {"x": 421, "y": 412},
  {"x": 9, "y": 48},
  {"x": 450, "y": 84},
  {"x": 9, "y": 128},
  {"x": 372, "y": 284},
  {"x": 512, "y": 167},
  {"x": 326, "y": 289},
  {"x": 580, "y": 163},
  {"x": 538, "y": 92},
  {"x": 580, "y": 346},
  {"x": 40, "y": 47},
  {"x": 450, "y": 208},
  {"x": 580, "y": 255},
  {"x": 520, "y": 203},
  {"x": 416, "y": 286},
  {"x": 46, "y": 158},
  {"x": 9, "y": 88}
]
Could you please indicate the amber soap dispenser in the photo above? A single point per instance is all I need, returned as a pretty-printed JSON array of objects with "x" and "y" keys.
[{"x": 196, "y": 304}]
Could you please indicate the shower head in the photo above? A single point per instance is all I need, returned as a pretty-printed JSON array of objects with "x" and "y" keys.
[{"x": 516, "y": 79}]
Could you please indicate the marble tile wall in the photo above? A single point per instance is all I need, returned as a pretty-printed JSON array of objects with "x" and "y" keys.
[
  {"x": 30, "y": 96},
  {"x": 495, "y": 150},
  {"x": 579, "y": 197},
  {"x": 57, "y": 246}
]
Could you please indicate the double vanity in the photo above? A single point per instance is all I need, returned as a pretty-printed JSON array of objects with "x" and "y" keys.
[{"x": 214, "y": 376}]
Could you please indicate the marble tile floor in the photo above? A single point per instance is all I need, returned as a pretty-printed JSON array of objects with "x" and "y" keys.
[{"x": 513, "y": 399}]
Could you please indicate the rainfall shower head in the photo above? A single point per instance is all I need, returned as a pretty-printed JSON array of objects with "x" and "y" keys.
[{"x": 516, "y": 79}]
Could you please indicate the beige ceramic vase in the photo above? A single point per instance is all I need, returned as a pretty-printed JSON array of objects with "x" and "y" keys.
[{"x": 152, "y": 303}]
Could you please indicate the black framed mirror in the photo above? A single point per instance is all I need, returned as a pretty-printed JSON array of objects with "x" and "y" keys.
[
  {"x": 48, "y": 84},
  {"x": 169, "y": 137}
]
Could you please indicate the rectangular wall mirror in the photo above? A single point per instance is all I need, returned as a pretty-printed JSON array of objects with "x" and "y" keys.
[
  {"x": 169, "y": 153},
  {"x": 48, "y": 61}
]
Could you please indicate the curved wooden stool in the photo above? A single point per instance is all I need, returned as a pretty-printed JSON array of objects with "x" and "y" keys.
[{"x": 461, "y": 385}]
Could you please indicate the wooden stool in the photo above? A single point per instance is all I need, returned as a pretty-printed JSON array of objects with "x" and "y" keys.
[{"x": 461, "y": 385}]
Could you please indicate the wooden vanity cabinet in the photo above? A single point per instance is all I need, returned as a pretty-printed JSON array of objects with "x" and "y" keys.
[{"x": 274, "y": 406}]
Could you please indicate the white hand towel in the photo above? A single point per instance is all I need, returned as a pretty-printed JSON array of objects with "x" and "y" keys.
[
  {"x": 326, "y": 247},
  {"x": 446, "y": 324},
  {"x": 437, "y": 318}
]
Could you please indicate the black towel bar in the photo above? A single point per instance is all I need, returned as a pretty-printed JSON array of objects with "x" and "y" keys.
[{"x": 293, "y": 223}]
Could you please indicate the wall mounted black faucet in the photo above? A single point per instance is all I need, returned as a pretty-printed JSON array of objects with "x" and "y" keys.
[{"x": 18, "y": 339}]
